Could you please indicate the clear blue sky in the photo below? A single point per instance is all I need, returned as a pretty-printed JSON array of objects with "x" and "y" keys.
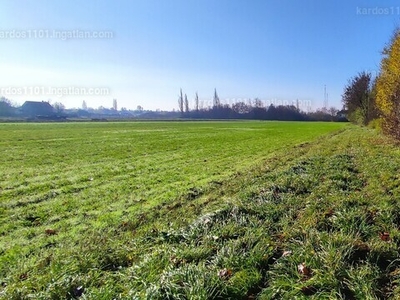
[{"x": 270, "y": 49}]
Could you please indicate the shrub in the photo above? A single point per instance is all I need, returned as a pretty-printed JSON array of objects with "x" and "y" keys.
[{"x": 376, "y": 124}]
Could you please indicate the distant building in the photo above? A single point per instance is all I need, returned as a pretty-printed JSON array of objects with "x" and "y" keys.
[{"x": 37, "y": 109}]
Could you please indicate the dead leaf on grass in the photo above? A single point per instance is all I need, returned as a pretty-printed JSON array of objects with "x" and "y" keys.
[
  {"x": 225, "y": 273},
  {"x": 304, "y": 270},
  {"x": 385, "y": 236},
  {"x": 50, "y": 231}
]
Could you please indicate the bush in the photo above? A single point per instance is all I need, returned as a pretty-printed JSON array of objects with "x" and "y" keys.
[
  {"x": 357, "y": 117},
  {"x": 376, "y": 124}
]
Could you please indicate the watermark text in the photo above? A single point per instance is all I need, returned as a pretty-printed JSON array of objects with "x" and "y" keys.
[
  {"x": 64, "y": 35},
  {"x": 54, "y": 91},
  {"x": 378, "y": 11}
]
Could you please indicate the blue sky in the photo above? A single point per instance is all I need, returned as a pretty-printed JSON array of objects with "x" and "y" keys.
[{"x": 278, "y": 51}]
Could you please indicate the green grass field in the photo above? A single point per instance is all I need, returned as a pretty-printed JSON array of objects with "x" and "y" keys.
[{"x": 197, "y": 210}]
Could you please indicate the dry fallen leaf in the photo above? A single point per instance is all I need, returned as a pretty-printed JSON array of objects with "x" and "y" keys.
[
  {"x": 225, "y": 273},
  {"x": 50, "y": 231},
  {"x": 385, "y": 236},
  {"x": 304, "y": 270},
  {"x": 286, "y": 253}
]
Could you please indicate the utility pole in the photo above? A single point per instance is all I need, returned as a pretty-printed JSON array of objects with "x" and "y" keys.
[{"x": 326, "y": 104}]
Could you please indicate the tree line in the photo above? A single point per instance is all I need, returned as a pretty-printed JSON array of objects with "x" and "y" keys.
[
  {"x": 376, "y": 100},
  {"x": 252, "y": 110}
]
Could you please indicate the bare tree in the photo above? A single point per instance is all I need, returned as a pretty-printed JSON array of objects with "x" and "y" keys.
[
  {"x": 333, "y": 111},
  {"x": 6, "y": 107},
  {"x": 240, "y": 108},
  {"x": 58, "y": 107},
  {"x": 258, "y": 103}
]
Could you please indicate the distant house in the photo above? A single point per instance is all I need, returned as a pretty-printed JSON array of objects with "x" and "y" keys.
[{"x": 37, "y": 109}]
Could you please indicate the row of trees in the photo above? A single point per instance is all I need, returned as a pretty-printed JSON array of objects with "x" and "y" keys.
[
  {"x": 254, "y": 110},
  {"x": 388, "y": 87},
  {"x": 184, "y": 102},
  {"x": 367, "y": 99}
]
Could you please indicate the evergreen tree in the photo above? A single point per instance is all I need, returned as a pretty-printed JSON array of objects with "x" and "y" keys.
[
  {"x": 186, "y": 104},
  {"x": 216, "y": 102},
  {"x": 196, "y": 102},
  {"x": 180, "y": 102}
]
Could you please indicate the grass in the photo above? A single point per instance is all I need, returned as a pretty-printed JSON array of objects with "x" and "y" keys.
[
  {"x": 208, "y": 210},
  {"x": 331, "y": 208}
]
